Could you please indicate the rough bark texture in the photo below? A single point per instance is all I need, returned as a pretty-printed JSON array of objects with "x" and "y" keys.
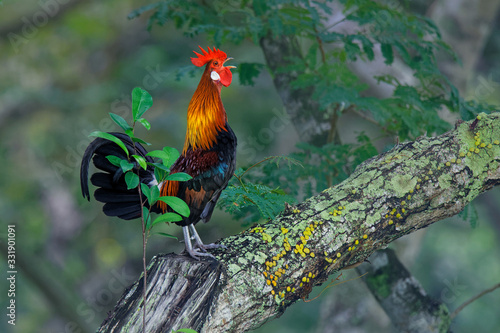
[
  {"x": 402, "y": 297},
  {"x": 267, "y": 268}
]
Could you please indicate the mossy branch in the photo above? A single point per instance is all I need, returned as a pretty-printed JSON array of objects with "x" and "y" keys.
[{"x": 267, "y": 268}]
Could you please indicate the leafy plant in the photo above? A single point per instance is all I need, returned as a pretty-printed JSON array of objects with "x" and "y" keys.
[
  {"x": 141, "y": 102},
  {"x": 251, "y": 201}
]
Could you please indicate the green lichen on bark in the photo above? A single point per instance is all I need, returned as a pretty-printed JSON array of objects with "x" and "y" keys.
[
  {"x": 389, "y": 196},
  {"x": 403, "y": 183},
  {"x": 379, "y": 285}
]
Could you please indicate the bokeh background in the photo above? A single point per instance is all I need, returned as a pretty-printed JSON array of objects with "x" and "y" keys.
[{"x": 66, "y": 63}]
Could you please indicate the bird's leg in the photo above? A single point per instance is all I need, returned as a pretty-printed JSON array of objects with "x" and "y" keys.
[
  {"x": 199, "y": 242},
  {"x": 189, "y": 247}
]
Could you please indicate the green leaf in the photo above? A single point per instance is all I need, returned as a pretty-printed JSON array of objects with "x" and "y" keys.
[
  {"x": 367, "y": 47},
  {"x": 248, "y": 72},
  {"x": 132, "y": 180},
  {"x": 160, "y": 166},
  {"x": 168, "y": 155},
  {"x": 111, "y": 138},
  {"x": 173, "y": 155},
  {"x": 155, "y": 194},
  {"x": 352, "y": 49},
  {"x": 387, "y": 53},
  {"x": 147, "y": 192},
  {"x": 115, "y": 160},
  {"x": 141, "y": 102},
  {"x": 161, "y": 171},
  {"x": 179, "y": 176},
  {"x": 178, "y": 205},
  {"x": 140, "y": 141},
  {"x": 126, "y": 165},
  {"x": 120, "y": 122},
  {"x": 260, "y": 7},
  {"x": 141, "y": 160},
  {"x": 137, "y": 12},
  {"x": 147, "y": 217},
  {"x": 167, "y": 217},
  {"x": 152, "y": 193},
  {"x": 165, "y": 234},
  {"x": 158, "y": 154},
  {"x": 144, "y": 123}
]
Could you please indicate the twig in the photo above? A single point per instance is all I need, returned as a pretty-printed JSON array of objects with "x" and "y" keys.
[
  {"x": 333, "y": 285},
  {"x": 144, "y": 243},
  {"x": 481, "y": 294},
  {"x": 253, "y": 166},
  {"x": 365, "y": 117}
]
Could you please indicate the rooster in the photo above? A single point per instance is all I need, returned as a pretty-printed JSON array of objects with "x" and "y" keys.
[{"x": 208, "y": 156}]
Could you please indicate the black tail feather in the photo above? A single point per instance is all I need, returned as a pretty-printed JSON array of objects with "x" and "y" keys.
[
  {"x": 125, "y": 210},
  {"x": 112, "y": 188}
]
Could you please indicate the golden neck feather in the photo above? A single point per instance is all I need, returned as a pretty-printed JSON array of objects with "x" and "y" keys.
[{"x": 206, "y": 115}]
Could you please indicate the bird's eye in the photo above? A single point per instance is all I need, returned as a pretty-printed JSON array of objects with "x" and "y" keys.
[{"x": 216, "y": 63}]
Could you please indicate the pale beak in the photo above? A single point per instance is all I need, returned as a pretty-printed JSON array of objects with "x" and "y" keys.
[{"x": 229, "y": 66}]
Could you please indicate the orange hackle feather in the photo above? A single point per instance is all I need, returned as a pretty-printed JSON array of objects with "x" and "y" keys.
[{"x": 206, "y": 116}]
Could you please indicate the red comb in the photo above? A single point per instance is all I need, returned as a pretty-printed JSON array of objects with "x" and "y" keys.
[{"x": 207, "y": 56}]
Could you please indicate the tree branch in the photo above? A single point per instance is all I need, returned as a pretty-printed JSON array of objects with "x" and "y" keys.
[
  {"x": 302, "y": 108},
  {"x": 269, "y": 267},
  {"x": 402, "y": 296},
  {"x": 474, "y": 298}
]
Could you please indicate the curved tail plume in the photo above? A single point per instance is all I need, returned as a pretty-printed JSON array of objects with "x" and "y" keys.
[{"x": 111, "y": 186}]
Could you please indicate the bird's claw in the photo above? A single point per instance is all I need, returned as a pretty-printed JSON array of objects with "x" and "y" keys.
[
  {"x": 210, "y": 246},
  {"x": 196, "y": 254}
]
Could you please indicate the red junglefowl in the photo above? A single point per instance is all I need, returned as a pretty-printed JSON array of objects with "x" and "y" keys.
[{"x": 209, "y": 156}]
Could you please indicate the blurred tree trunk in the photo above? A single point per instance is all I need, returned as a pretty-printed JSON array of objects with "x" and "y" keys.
[
  {"x": 269, "y": 267},
  {"x": 466, "y": 26},
  {"x": 299, "y": 104},
  {"x": 402, "y": 297}
]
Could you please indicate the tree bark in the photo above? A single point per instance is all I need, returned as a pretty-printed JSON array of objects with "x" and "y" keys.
[
  {"x": 304, "y": 111},
  {"x": 268, "y": 267},
  {"x": 466, "y": 26},
  {"x": 402, "y": 297}
]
